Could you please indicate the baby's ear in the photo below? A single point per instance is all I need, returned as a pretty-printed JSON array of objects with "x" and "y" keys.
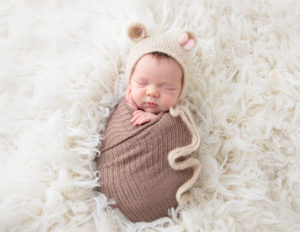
[
  {"x": 136, "y": 32},
  {"x": 187, "y": 40}
]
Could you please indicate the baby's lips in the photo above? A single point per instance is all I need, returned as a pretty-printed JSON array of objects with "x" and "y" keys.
[{"x": 150, "y": 104}]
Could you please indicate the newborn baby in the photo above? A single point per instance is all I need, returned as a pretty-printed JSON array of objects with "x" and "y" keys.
[
  {"x": 145, "y": 160},
  {"x": 154, "y": 87}
]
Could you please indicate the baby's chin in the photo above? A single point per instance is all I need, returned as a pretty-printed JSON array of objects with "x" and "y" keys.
[{"x": 153, "y": 111}]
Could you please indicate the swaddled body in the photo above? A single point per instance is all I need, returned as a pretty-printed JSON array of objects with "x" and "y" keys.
[
  {"x": 145, "y": 160},
  {"x": 134, "y": 163}
]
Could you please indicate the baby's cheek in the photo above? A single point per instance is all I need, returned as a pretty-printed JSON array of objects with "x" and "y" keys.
[
  {"x": 136, "y": 95},
  {"x": 170, "y": 100}
]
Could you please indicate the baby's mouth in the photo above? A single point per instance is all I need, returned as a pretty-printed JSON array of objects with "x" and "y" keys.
[{"x": 150, "y": 104}]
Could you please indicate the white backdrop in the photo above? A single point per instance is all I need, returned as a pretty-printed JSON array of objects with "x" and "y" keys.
[{"x": 62, "y": 72}]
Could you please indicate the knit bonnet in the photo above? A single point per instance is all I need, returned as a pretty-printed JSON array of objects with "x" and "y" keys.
[
  {"x": 166, "y": 43},
  {"x": 177, "y": 47}
]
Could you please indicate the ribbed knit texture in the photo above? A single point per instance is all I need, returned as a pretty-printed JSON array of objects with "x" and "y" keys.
[
  {"x": 134, "y": 163},
  {"x": 168, "y": 43}
]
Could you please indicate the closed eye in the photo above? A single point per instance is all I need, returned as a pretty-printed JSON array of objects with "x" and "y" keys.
[
  {"x": 141, "y": 83},
  {"x": 168, "y": 87}
]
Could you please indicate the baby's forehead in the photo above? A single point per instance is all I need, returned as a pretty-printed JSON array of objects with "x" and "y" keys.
[
  {"x": 159, "y": 58},
  {"x": 158, "y": 66}
]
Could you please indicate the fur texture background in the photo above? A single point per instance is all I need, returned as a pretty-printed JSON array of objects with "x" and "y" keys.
[{"x": 62, "y": 72}]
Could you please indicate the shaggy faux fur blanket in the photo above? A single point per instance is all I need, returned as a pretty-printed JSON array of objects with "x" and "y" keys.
[
  {"x": 134, "y": 167},
  {"x": 62, "y": 72}
]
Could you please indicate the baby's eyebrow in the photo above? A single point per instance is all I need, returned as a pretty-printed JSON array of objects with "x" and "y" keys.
[
  {"x": 142, "y": 77},
  {"x": 141, "y": 80},
  {"x": 167, "y": 83}
]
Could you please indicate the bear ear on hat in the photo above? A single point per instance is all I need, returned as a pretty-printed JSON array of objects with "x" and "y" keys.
[
  {"x": 136, "y": 32},
  {"x": 187, "y": 40}
]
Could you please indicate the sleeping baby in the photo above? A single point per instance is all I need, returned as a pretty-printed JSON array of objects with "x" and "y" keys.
[{"x": 146, "y": 161}]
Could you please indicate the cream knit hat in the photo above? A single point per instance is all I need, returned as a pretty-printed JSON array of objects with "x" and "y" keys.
[{"x": 178, "y": 48}]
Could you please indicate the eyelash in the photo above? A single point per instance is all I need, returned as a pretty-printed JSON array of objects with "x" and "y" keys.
[
  {"x": 143, "y": 84},
  {"x": 167, "y": 88}
]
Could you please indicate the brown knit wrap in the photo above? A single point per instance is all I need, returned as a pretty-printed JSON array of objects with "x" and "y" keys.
[{"x": 134, "y": 163}]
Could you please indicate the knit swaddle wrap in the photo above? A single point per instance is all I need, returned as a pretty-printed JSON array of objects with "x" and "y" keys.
[
  {"x": 134, "y": 164},
  {"x": 149, "y": 168},
  {"x": 179, "y": 49}
]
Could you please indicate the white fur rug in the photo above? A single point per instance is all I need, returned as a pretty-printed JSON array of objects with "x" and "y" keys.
[{"x": 62, "y": 72}]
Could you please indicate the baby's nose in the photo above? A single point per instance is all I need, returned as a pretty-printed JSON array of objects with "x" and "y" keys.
[{"x": 152, "y": 91}]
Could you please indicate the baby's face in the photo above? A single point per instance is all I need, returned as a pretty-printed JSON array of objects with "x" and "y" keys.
[{"x": 156, "y": 83}]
